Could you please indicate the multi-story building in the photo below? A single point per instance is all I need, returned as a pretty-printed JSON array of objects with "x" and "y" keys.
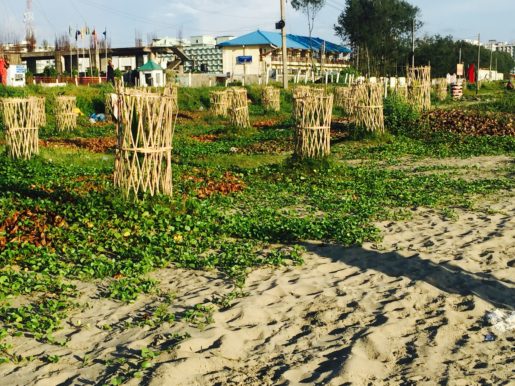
[
  {"x": 204, "y": 55},
  {"x": 505, "y": 47}
]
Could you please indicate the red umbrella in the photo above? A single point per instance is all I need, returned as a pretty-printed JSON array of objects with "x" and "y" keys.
[{"x": 471, "y": 75}]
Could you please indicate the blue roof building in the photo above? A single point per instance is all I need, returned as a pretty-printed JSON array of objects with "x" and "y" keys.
[
  {"x": 273, "y": 39},
  {"x": 256, "y": 56}
]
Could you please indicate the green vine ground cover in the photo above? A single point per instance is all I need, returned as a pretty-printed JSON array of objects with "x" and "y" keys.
[{"x": 62, "y": 221}]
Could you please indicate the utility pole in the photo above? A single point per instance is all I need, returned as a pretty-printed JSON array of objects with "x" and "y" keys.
[
  {"x": 285, "y": 50},
  {"x": 478, "y": 60}
]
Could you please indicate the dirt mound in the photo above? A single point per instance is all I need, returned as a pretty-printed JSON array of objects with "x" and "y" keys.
[
  {"x": 227, "y": 184},
  {"x": 29, "y": 226},
  {"x": 96, "y": 145},
  {"x": 471, "y": 122}
]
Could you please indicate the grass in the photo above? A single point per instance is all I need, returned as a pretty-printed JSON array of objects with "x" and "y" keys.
[{"x": 62, "y": 220}]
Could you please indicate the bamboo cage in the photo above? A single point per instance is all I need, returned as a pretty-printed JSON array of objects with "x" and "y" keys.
[
  {"x": 402, "y": 92},
  {"x": 219, "y": 102},
  {"x": 441, "y": 89},
  {"x": 173, "y": 92},
  {"x": 39, "y": 110},
  {"x": 271, "y": 99},
  {"x": 108, "y": 105},
  {"x": 369, "y": 107},
  {"x": 119, "y": 85},
  {"x": 21, "y": 127},
  {"x": 298, "y": 93},
  {"x": 144, "y": 152},
  {"x": 65, "y": 116},
  {"x": 344, "y": 98},
  {"x": 419, "y": 87},
  {"x": 238, "y": 107},
  {"x": 313, "y": 133}
]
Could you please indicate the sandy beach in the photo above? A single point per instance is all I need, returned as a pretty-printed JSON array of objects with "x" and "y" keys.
[{"x": 408, "y": 310}]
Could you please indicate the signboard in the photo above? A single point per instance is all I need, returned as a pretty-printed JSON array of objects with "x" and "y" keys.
[
  {"x": 459, "y": 69},
  {"x": 16, "y": 75},
  {"x": 243, "y": 59},
  {"x": 21, "y": 69}
]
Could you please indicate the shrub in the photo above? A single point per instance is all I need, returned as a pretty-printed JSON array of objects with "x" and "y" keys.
[{"x": 400, "y": 117}]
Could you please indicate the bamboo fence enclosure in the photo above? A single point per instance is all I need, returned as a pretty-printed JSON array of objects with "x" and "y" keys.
[
  {"x": 65, "y": 116},
  {"x": 219, "y": 103},
  {"x": 369, "y": 107},
  {"x": 419, "y": 87},
  {"x": 441, "y": 89},
  {"x": 144, "y": 152},
  {"x": 238, "y": 108},
  {"x": 401, "y": 92},
  {"x": 344, "y": 98},
  {"x": 299, "y": 93},
  {"x": 313, "y": 134},
  {"x": 39, "y": 110},
  {"x": 21, "y": 127},
  {"x": 271, "y": 99}
]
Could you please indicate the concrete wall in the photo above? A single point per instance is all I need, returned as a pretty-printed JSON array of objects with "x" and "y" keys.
[
  {"x": 490, "y": 75},
  {"x": 196, "y": 80}
]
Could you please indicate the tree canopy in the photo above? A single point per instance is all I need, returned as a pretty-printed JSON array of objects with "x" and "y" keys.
[
  {"x": 310, "y": 8},
  {"x": 442, "y": 52},
  {"x": 380, "y": 30}
]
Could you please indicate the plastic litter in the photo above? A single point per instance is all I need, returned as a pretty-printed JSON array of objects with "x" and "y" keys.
[
  {"x": 501, "y": 320},
  {"x": 490, "y": 337},
  {"x": 97, "y": 118}
]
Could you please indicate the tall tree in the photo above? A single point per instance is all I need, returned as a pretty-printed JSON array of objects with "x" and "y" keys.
[
  {"x": 380, "y": 30},
  {"x": 443, "y": 54},
  {"x": 310, "y": 8}
]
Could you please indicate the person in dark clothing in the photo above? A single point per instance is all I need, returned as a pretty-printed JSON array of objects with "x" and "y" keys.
[
  {"x": 509, "y": 85},
  {"x": 110, "y": 72}
]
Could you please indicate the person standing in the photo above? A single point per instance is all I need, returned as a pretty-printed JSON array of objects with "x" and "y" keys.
[
  {"x": 4, "y": 65},
  {"x": 110, "y": 72}
]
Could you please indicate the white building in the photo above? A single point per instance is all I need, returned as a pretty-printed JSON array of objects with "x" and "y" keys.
[{"x": 257, "y": 57}]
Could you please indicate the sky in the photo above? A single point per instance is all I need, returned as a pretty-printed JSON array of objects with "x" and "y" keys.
[{"x": 463, "y": 19}]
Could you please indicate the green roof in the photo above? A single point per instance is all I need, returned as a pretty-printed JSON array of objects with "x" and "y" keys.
[{"x": 150, "y": 66}]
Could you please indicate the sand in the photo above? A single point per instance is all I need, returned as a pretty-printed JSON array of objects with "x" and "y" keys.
[{"x": 409, "y": 310}]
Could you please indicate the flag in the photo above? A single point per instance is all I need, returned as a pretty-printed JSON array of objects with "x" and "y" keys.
[
  {"x": 70, "y": 30},
  {"x": 105, "y": 32},
  {"x": 471, "y": 73},
  {"x": 77, "y": 34}
]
